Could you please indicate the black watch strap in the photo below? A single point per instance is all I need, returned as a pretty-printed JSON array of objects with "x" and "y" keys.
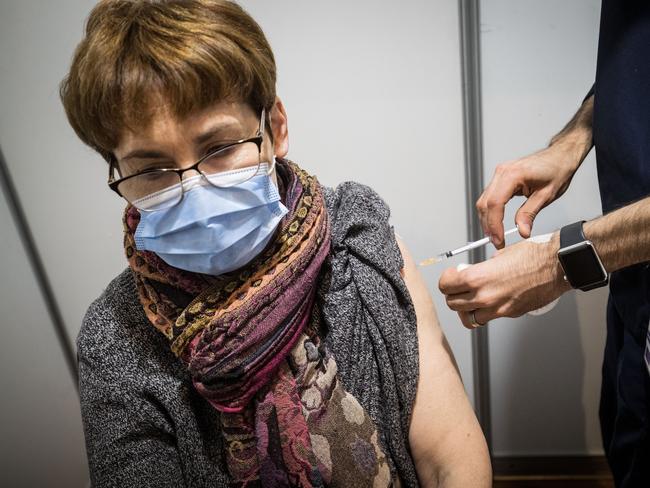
[{"x": 572, "y": 234}]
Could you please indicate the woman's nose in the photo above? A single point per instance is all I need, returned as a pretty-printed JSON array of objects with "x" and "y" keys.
[{"x": 190, "y": 173}]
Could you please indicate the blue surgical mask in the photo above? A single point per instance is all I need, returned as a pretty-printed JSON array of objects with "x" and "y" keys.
[{"x": 214, "y": 230}]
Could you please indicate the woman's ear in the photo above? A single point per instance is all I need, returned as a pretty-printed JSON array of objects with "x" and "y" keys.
[{"x": 279, "y": 129}]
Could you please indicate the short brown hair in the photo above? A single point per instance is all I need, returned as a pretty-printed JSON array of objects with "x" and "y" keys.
[{"x": 191, "y": 52}]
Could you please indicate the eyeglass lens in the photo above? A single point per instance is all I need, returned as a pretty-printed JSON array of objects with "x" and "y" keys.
[{"x": 157, "y": 190}]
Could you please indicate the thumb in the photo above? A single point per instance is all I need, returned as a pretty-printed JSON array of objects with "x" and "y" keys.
[{"x": 527, "y": 213}]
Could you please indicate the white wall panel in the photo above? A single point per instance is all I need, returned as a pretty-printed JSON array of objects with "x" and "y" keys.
[
  {"x": 40, "y": 426},
  {"x": 75, "y": 218}
]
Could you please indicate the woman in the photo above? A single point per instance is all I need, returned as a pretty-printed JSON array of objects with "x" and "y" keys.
[{"x": 268, "y": 331}]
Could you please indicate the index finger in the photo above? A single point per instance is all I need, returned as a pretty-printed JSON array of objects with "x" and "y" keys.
[
  {"x": 496, "y": 200},
  {"x": 481, "y": 203}
]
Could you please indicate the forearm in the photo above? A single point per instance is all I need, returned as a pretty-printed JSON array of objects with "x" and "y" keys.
[
  {"x": 576, "y": 138},
  {"x": 622, "y": 237}
]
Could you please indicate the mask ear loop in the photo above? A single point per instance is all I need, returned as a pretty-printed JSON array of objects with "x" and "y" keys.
[
  {"x": 269, "y": 172},
  {"x": 261, "y": 131}
]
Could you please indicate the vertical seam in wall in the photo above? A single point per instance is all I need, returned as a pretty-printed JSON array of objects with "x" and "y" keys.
[
  {"x": 470, "y": 57},
  {"x": 29, "y": 245}
]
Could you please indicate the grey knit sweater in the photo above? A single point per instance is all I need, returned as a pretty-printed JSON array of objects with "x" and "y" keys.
[{"x": 146, "y": 426}]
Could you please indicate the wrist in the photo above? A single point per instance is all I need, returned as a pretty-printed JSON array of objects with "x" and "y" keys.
[
  {"x": 573, "y": 146},
  {"x": 556, "y": 272},
  {"x": 577, "y": 136},
  {"x": 621, "y": 237},
  {"x": 595, "y": 231}
]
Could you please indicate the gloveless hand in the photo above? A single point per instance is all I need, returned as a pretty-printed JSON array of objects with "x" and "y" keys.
[
  {"x": 518, "y": 279},
  {"x": 541, "y": 177}
]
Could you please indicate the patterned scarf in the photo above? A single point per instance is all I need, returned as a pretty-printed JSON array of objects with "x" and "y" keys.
[{"x": 250, "y": 340}]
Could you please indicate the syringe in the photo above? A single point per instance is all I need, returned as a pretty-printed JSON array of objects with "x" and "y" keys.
[{"x": 465, "y": 248}]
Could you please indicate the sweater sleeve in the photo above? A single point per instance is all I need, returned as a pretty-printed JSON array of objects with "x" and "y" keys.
[{"x": 130, "y": 438}]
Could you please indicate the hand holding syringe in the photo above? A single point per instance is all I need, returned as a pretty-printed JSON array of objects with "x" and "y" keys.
[{"x": 483, "y": 242}]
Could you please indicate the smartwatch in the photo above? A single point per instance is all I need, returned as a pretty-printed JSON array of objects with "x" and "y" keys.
[{"x": 582, "y": 266}]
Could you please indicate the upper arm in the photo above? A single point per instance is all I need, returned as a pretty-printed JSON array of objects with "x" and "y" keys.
[
  {"x": 130, "y": 440},
  {"x": 446, "y": 440}
]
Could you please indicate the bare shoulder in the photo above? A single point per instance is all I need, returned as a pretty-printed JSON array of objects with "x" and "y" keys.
[
  {"x": 446, "y": 441},
  {"x": 422, "y": 301}
]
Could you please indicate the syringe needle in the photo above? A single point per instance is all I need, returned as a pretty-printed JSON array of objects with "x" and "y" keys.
[
  {"x": 433, "y": 260},
  {"x": 462, "y": 249}
]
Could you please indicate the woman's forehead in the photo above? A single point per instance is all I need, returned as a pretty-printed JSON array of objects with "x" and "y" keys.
[{"x": 229, "y": 119}]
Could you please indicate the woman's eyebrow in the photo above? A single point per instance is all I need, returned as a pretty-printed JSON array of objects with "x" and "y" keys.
[
  {"x": 144, "y": 154},
  {"x": 215, "y": 130}
]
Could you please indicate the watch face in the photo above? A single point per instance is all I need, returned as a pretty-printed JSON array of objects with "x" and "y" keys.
[{"x": 581, "y": 265}]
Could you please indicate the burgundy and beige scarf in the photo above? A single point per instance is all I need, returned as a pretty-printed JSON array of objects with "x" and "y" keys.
[{"x": 250, "y": 340}]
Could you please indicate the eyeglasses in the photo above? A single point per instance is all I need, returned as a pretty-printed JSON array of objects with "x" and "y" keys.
[{"x": 230, "y": 164}]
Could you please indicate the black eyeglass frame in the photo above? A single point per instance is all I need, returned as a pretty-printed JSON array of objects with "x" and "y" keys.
[{"x": 258, "y": 139}]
